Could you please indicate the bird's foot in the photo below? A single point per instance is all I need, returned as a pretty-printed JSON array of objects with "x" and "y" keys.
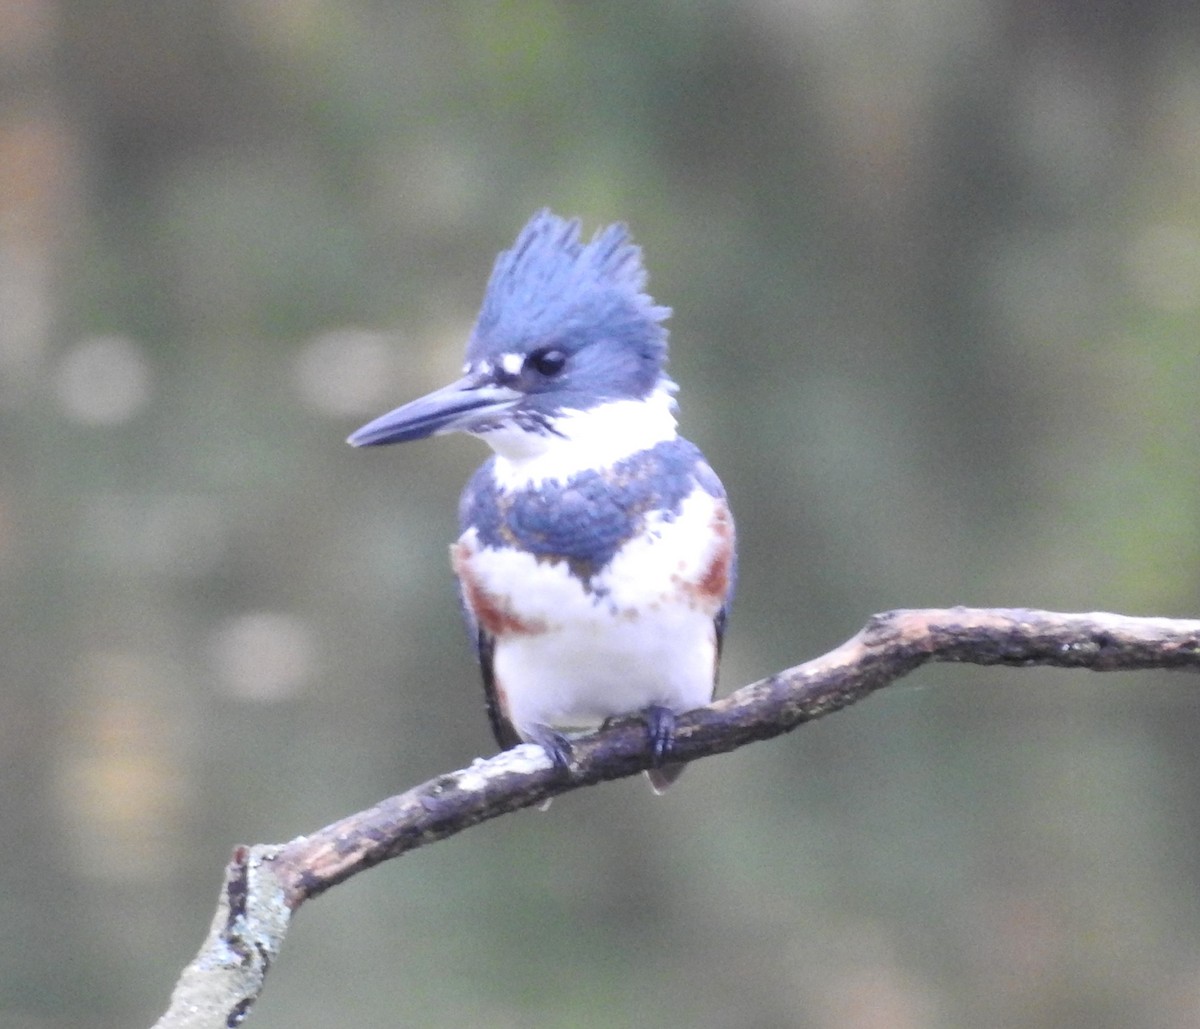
[
  {"x": 660, "y": 726},
  {"x": 555, "y": 744}
]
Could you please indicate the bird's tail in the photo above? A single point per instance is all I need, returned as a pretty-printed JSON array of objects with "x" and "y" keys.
[{"x": 661, "y": 778}]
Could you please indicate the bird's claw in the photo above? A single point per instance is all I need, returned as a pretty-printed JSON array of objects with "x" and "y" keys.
[
  {"x": 556, "y": 746},
  {"x": 660, "y": 726}
]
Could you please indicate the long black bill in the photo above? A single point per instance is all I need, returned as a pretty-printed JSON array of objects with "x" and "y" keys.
[{"x": 470, "y": 401}]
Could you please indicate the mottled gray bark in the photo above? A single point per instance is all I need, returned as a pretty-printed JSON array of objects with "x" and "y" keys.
[{"x": 265, "y": 884}]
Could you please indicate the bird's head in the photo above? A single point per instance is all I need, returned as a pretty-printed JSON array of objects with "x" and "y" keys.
[{"x": 565, "y": 328}]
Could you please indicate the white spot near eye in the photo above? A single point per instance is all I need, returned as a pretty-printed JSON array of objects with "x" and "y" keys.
[{"x": 511, "y": 363}]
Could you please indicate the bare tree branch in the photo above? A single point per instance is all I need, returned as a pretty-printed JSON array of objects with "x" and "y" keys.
[{"x": 265, "y": 884}]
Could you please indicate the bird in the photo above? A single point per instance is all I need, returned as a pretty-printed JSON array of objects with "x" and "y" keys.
[{"x": 597, "y": 558}]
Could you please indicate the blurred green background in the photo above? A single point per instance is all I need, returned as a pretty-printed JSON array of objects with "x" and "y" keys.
[{"x": 936, "y": 274}]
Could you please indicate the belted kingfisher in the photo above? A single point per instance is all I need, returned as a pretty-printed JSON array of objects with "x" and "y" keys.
[{"x": 596, "y": 564}]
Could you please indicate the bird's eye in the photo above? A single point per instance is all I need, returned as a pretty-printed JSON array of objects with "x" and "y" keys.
[{"x": 547, "y": 362}]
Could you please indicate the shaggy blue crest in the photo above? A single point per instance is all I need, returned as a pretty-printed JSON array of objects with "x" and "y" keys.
[{"x": 551, "y": 289}]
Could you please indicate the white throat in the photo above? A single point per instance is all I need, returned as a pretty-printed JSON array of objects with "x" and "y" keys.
[{"x": 583, "y": 440}]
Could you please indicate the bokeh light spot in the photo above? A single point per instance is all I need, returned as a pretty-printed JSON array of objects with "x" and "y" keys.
[
  {"x": 263, "y": 656},
  {"x": 346, "y": 372},
  {"x": 103, "y": 380}
]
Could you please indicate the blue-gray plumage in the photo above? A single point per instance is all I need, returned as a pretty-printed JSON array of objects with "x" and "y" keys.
[
  {"x": 596, "y": 563},
  {"x": 588, "y": 518}
]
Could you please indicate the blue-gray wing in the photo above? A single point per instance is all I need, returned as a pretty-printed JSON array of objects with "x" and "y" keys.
[
  {"x": 481, "y": 640},
  {"x": 709, "y": 481}
]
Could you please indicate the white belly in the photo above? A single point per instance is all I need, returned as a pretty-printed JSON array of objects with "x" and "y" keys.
[
  {"x": 579, "y": 675},
  {"x": 643, "y": 635}
]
